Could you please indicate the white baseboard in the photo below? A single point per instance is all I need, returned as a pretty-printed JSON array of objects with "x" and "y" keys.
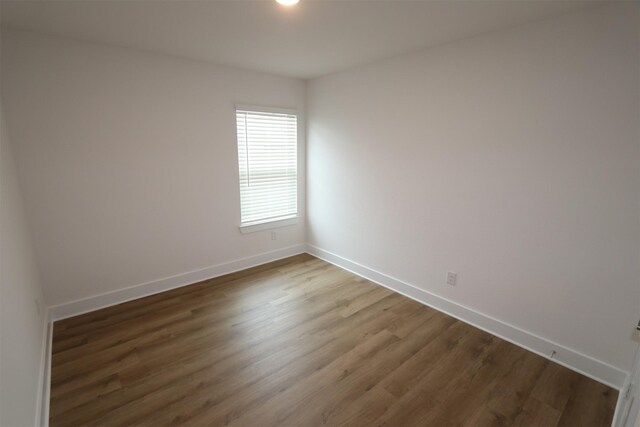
[
  {"x": 46, "y": 395},
  {"x": 44, "y": 377},
  {"x": 96, "y": 302},
  {"x": 586, "y": 365}
]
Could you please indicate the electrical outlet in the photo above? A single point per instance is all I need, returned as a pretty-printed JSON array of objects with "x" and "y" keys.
[
  {"x": 274, "y": 236},
  {"x": 451, "y": 278}
]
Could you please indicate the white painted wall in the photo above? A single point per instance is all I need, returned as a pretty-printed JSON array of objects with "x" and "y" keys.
[
  {"x": 22, "y": 325},
  {"x": 129, "y": 161},
  {"x": 510, "y": 158}
]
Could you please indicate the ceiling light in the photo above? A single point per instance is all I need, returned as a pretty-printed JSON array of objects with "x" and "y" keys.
[{"x": 287, "y": 2}]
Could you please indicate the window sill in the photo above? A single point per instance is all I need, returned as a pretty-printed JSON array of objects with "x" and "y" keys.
[{"x": 268, "y": 225}]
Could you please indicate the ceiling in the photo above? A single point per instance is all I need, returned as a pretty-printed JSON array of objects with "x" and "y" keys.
[{"x": 308, "y": 40}]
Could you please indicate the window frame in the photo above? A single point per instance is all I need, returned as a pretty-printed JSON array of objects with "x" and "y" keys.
[{"x": 276, "y": 222}]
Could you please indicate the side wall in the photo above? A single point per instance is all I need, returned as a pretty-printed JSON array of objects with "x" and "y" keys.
[
  {"x": 509, "y": 158},
  {"x": 130, "y": 172},
  {"x": 23, "y": 314}
]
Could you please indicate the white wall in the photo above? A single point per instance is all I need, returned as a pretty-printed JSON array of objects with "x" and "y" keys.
[
  {"x": 22, "y": 322},
  {"x": 129, "y": 161},
  {"x": 510, "y": 158}
]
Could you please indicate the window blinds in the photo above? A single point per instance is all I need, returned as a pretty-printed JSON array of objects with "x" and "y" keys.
[{"x": 267, "y": 158}]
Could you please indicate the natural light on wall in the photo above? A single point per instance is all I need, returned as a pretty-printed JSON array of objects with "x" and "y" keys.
[{"x": 267, "y": 160}]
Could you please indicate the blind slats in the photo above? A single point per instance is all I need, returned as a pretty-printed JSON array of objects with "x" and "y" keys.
[{"x": 267, "y": 159}]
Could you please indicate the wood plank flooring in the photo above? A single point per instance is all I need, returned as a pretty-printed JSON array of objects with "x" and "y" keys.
[{"x": 300, "y": 342}]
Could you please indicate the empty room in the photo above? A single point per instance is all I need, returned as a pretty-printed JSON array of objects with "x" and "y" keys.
[{"x": 320, "y": 213}]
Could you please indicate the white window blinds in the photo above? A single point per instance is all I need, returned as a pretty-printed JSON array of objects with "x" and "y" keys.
[{"x": 267, "y": 157}]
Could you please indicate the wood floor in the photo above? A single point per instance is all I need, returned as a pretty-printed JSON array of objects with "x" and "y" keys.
[{"x": 300, "y": 342}]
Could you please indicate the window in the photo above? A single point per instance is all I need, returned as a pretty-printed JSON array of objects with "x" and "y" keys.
[{"x": 268, "y": 166}]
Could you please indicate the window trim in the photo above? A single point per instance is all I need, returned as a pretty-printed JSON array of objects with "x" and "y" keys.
[
  {"x": 277, "y": 222},
  {"x": 258, "y": 109},
  {"x": 268, "y": 224}
]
